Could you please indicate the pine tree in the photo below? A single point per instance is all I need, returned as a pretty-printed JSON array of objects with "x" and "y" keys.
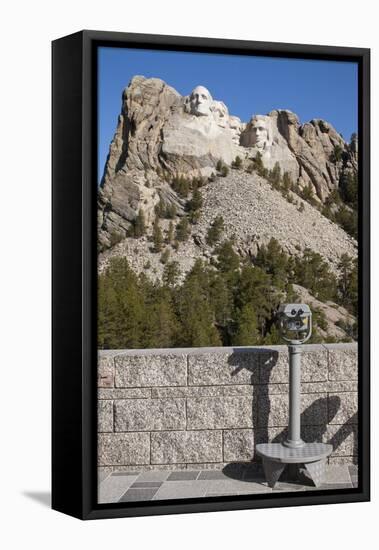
[
  {"x": 107, "y": 314},
  {"x": 115, "y": 238},
  {"x": 171, "y": 273},
  {"x": 273, "y": 337},
  {"x": 121, "y": 307},
  {"x": 348, "y": 220},
  {"x": 345, "y": 268},
  {"x": 273, "y": 260},
  {"x": 247, "y": 332},
  {"x": 348, "y": 283},
  {"x": 220, "y": 296},
  {"x": 258, "y": 164},
  {"x": 348, "y": 185},
  {"x": 139, "y": 224},
  {"x": 224, "y": 171},
  {"x": 196, "y": 316},
  {"x": 183, "y": 230},
  {"x": 254, "y": 287},
  {"x": 157, "y": 236},
  {"x": 275, "y": 176},
  {"x": 227, "y": 260},
  {"x": 159, "y": 209},
  {"x": 165, "y": 256},
  {"x": 336, "y": 155},
  {"x": 181, "y": 185},
  {"x": 170, "y": 211},
  {"x": 170, "y": 233},
  {"x": 308, "y": 195},
  {"x": 161, "y": 322},
  {"x": 353, "y": 288},
  {"x": 312, "y": 272},
  {"x": 196, "y": 201},
  {"x": 237, "y": 163},
  {"x": 287, "y": 181},
  {"x": 215, "y": 231}
]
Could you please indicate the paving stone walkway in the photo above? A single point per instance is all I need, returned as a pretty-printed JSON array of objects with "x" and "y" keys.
[{"x": 154, "y": 485}]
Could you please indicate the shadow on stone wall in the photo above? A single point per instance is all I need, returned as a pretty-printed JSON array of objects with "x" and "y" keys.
[
  {"x": 261, "y": 409},
  {"x": 259, "y": 383}
]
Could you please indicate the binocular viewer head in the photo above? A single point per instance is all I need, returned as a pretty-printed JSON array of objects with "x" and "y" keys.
[{"x": 295, "y": 323}]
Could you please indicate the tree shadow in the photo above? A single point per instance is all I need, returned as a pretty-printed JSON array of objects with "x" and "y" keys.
[
  {"x": 350, "y": 427},
  {"x": 261, "y": 365}
]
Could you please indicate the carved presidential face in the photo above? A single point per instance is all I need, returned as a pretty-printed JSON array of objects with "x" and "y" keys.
[
  {"x": 260, "y": 131},
  {"x": 200, "y": 101}
]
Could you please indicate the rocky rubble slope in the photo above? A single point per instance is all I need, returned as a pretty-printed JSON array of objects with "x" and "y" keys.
[{"x": 253, "y": 213}]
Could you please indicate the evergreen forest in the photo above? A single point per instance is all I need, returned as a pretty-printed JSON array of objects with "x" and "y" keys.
[{"x": 230, "y": 302}]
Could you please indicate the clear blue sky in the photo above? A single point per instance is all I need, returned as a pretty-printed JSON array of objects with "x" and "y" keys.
[{"x": 247, "y": 85}]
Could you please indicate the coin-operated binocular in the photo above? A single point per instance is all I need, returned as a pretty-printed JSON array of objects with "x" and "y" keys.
[
  {"x": 295, "y": 323},
  {"x": 295, "y": 327}
]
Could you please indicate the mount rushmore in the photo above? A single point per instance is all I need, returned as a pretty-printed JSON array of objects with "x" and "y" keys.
[
  {"x": 268, "y": 178},
  {"x": 161, "y": 134},
  {"x": 161, "y": 131}
]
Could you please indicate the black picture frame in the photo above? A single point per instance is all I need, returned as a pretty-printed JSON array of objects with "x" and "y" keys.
[{"x": 74, "y": 357}]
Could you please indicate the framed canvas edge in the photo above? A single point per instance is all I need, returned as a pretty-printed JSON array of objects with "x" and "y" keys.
[{"x": 83, "y": 370}]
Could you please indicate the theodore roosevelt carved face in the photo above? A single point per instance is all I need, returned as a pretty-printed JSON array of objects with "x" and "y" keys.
[{"x": 200, "y": 101}]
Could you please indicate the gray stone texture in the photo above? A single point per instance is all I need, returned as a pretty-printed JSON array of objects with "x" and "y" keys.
[
  {"x": 335, "y": 474},
  {"x": 141, "y": 494},
  {"x": 150, "y": 414},
  {"x": 186, "y": 446},
  {"x": 223, "y": 368},
  {"x": 343, "y": 438},
  {"x": 238, "y": 445},
  {"x": 159, "y": 475},
  {"x": 105, "y": 416},
  {"x": 180, "y": 489},
  {"x": 347, "y": 412},
  {"x": 121, "y": 449},
  {"x": 219, "y": 412},
  {"x": 130, "y": 469},
  {"x": 338, "y": 460},
  {"x": 151, "y": 370},
  {"x": 204, "y": 391},
  {"x": 183, "y": 476},
  {"x": 124, "y": 393},
  {"x": 105, "y": 372},
  {"x": 228, "y": 481},
  {"x": 275, "y": 368},
  {"x": 343, "y": 363}
]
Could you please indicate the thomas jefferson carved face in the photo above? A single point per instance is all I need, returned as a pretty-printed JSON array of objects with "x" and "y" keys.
[
  {"x": 200, "y": 101},
  {"x": 260, "y": 131}
]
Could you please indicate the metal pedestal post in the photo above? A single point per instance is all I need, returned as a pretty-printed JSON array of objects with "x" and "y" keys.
[
  {"x": 294, "y": 440},
  {"x": 293, "y": 451}
]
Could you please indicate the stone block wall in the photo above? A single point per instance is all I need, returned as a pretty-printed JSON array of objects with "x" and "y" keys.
[{"x": 207, "y": 407}]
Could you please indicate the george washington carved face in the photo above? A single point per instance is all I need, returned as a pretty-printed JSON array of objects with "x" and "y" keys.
[{"x": 200, "y": 101}]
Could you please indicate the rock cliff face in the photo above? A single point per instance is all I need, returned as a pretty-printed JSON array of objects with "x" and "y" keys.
[{"x": 161, "y": 134}]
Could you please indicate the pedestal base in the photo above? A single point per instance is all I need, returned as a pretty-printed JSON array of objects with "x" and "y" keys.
[{"x": 276, "y": 456}]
